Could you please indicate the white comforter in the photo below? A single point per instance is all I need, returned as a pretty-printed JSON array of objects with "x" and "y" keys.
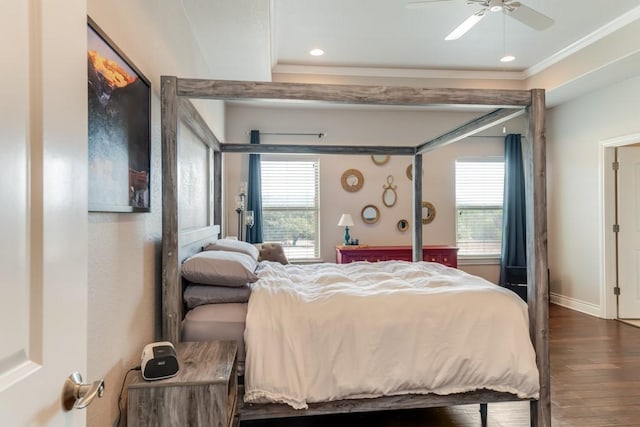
[{"x": 325, "y": 332}]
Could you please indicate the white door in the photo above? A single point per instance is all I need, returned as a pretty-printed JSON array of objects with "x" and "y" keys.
[
  {"x": 43, "y": 215},
  {"x": 629, "y": 235}
]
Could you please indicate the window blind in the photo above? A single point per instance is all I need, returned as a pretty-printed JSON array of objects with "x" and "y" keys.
[
  {"x": 479, "y": 195},
  {"x": 290, "y": 205}
]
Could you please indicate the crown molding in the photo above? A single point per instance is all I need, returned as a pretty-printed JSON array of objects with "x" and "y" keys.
[
  {"x": 602, "y": 32},
  {"x": 411, "y": 73}
]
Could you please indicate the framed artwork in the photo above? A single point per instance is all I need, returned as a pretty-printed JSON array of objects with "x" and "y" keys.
[{"x": 119, "y": 97}]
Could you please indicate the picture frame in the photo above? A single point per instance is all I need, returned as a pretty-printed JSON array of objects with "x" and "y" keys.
[{"x": 119, "y": 107}]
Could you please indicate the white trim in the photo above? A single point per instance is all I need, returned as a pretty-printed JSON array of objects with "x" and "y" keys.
[
  {"x": 606, "y": 250},
  {"x": 577, "y": 305},
  {"x": 589, "y": 39},
  {"x": 397, "y": 72},
  {"x": 606, "y": 219},
  {"x": 620, "y": 141},
  {"x": 16, "y": 368}
]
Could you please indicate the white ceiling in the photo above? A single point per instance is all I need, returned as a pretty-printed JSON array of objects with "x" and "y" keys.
[
  {"x": 387, "y": 34},
  {"x": 590, "y": 43}
]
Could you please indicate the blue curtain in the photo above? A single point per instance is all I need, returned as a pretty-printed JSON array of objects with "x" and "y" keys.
[
  {"x": 254, "y": 190},
  {"x": 514, "y": 237}
]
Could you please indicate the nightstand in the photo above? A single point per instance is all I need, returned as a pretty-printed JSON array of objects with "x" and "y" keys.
[{"x": 204, "y": 392}]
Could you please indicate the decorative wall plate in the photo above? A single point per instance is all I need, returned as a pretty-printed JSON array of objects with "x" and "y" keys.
[
  {"x": 380, "y": 159},
  {"x": 352, "y": 180},
  {"x": 370, "y": 214},
  {"x": 428, "y": 212}
]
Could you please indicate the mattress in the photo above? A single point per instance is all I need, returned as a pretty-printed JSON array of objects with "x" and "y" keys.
[
  {"x": 217, "y": 322},
  {"x": 326, "y": 332}
]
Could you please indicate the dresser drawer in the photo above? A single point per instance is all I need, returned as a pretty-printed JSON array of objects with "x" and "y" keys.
[{"x": 446, "y": 255}]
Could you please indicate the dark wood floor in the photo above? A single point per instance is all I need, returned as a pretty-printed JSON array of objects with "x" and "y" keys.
[{"x": 595, "y": 381}]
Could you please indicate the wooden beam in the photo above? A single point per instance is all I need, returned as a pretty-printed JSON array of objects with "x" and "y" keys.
[
  {"x": 192, "y": 118},
  {"x": 249, "y": 411},
  {"x": 351, "y": 94},
  {"x": 217, "y": 188},
  {"x": 417, "y": 207},
  {"x": 537, "y": 268},
  {"x": 316, "y": 149},
  {"x": 171, "y": 280},
  {"x": 474, "y": 126}
]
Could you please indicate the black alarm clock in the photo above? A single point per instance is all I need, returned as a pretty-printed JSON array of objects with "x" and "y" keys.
[{"x": 159, "y": 361}]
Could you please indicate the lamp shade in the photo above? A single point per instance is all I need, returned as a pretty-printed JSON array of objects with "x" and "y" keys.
[{"x": 345, "y": 220}]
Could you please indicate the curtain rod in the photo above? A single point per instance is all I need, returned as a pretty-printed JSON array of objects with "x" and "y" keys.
[{"x": 318, "y": 134}]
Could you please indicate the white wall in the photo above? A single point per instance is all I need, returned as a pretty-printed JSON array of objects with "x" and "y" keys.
[
  {"x": 574, "y": 132},
  {"x": 367, "y": 127},
  {"x": 124, "y": 249}
]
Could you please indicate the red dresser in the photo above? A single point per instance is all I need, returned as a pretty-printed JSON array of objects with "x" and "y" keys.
[{"x": 446, "y": 255}]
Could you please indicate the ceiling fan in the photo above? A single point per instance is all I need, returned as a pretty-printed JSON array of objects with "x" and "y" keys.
[{"x": 514, "y": 9}]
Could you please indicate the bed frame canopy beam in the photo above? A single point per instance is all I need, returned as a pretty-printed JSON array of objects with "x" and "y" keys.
[
  {"x": 471, "y": 128},
  {"x": 316, "y": 149},
  {"x": 351, "y": 94}
]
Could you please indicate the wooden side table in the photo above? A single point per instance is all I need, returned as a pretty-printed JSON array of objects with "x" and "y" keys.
[{"x": 204, "y": 393}]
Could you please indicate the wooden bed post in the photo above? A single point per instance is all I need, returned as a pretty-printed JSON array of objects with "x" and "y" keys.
[
  {"x": 537, "y": 271},
  {"x": 171, "y": 295},
  {"x": 417, "y": 207},
  {"x": 217, "y": 188}
]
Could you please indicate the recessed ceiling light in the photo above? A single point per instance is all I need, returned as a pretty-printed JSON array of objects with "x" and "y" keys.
[
  {"x": 316, "y": 52},
  {"x": 507, "y": 58}
]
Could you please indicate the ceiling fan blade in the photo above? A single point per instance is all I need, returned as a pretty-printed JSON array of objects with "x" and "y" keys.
[
  {"x": 466, "y": 25},
  {"x": 528, "y": 16},
  {"x": 423, "y": 3}
]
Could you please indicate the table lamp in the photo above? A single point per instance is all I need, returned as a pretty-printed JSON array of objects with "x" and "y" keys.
[{"x": 346, "y": 221}]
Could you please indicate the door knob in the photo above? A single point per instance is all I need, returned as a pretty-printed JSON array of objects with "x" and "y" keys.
[{"x": 76, "y": 395}]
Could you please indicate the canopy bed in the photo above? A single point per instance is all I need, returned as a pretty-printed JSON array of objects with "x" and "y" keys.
[{"x": 192, "y": 213}]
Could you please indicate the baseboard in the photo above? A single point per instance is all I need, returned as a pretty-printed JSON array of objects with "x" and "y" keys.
[{"x": 577, "y": 305}]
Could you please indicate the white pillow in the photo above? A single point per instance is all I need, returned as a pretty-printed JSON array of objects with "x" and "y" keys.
[
  {"x": 220, "y": 268},
  {"x": 234, "y": 246}
]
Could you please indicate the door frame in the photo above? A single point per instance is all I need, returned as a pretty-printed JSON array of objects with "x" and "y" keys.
[{"x": 607, "y": 196}]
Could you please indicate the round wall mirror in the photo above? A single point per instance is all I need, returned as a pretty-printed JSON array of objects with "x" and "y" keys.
[
  {"x": 428, "y": 212},
  {"x": 403, "y": 225},
  {"x": 389, "y": 195},
  {"x": 380, "y": 159},
  {"x": 370, "y": 214},
  {"x": 409, "y": 172},
  {"x": 352, "y": 180}
]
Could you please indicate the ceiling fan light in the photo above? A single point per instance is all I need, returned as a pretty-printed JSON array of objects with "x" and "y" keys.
[
  {"x": 495, "y": 5},
  {"x": 507, "y": 58}
]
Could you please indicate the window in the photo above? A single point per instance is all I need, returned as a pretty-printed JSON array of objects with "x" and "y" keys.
[
  {"x": 479, "y": 194},
  {"x": 290, "y": 211}
]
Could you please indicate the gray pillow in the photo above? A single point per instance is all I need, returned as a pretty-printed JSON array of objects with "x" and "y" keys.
[
  {"x": 220, "y": 268},
  {"x": 231, "y": 245},
  {"x": 195, "y": 295}
]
